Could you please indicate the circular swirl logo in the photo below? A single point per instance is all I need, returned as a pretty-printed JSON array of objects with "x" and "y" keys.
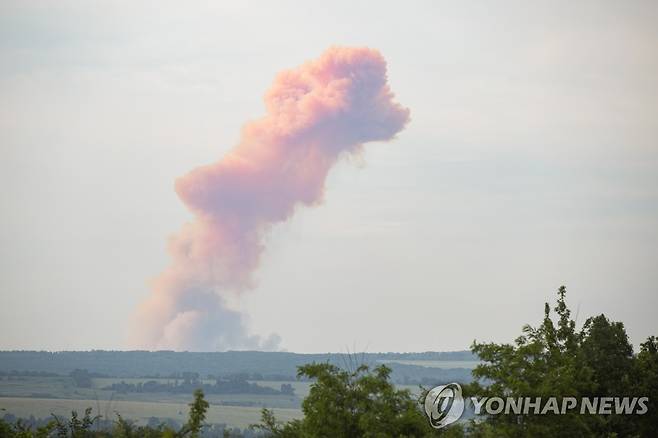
[{"x": 444, "y": 405}]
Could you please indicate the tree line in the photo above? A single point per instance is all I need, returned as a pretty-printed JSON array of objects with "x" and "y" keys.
[{"x": 221, "y": 386}]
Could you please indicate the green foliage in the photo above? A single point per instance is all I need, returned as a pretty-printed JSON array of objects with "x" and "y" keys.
[
  {"x": 20, "y": 430},
  {"x": 197, "y": 415},
  {"x": 647, "y": 385},
  {"x": 77, "y": 427},
  {"x": 126, "y": 429},
  {"x": 556, "y": 360},
  {"x": 81, "y": 378},
  {"x": 74, "y": 427},
  {"x": 609, "y": 355},
  {"x": 359, "y": 403}
]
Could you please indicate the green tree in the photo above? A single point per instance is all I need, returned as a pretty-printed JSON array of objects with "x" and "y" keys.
[
  {"x": 608, "y": 353},
  {"x": 81, "y": 378},
  {"x": 197, "y": 415},
  {"x": 359, "y": 403},
  {"x": 556, "y": 360},
  {"x": 77, "y": 427},
  {"x": 647, "y": 385},
  {"x": 543, "y": 362}
]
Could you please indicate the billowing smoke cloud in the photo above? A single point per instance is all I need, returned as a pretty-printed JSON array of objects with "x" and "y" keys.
[{"x": 315, "y": 113}]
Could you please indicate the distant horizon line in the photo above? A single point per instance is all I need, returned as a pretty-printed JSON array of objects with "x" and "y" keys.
[{"x": 232, "y": 351}]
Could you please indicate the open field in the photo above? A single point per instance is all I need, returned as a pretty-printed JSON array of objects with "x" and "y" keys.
[
  {"x": 43, "y": 387},
  {"x": 235, "y": 416},
  {"x": 301, "y": 388},
  {"x": 64, "y": 388}
]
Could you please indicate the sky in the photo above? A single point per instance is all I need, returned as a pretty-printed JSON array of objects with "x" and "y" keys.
[{"x": 530, "y": 162}]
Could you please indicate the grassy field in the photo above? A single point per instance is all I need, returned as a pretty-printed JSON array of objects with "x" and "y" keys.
[
  {"x": 44, "y": 387},
  {"x": 64, "y": 388},
  {"x": 234, "y": 416},
  {"x": 43, "y": 396},
  {"x": 301, "y": 388}
]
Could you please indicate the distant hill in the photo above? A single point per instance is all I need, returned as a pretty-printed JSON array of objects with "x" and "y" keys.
[{"x": 407, "y": 367}]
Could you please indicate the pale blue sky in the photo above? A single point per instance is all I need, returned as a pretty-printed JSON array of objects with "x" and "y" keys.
[{"x": 531, "y": 161}]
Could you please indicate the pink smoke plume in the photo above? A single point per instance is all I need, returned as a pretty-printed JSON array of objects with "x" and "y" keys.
[{"x": 315, "y": 113}]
